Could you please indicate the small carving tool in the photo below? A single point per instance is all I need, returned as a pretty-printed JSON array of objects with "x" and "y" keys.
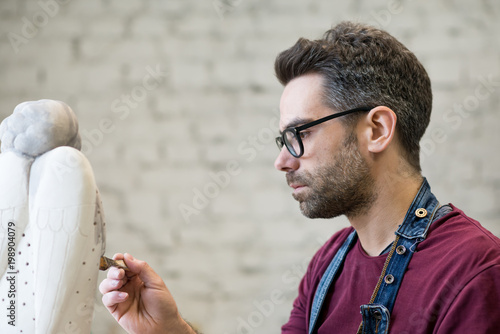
[{"x": 107, "y": 262}]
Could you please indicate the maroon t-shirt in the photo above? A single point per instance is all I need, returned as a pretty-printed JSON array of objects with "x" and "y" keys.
[{"x": 452, "y": 284}]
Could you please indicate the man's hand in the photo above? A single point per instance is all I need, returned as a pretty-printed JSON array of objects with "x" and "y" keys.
[{"x": 139, "y": 300}]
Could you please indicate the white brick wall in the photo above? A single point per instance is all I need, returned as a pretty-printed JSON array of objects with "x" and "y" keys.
[{"x": 235, "y": 267}]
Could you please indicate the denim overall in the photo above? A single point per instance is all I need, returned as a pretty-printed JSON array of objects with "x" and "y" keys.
[{"x": 376, "y": 314}]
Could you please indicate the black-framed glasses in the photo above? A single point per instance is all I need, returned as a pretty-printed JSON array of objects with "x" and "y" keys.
[{"x": 290, "y": 137}]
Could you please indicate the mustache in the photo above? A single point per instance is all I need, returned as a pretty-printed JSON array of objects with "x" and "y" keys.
[{"x": 293, "y": 178}]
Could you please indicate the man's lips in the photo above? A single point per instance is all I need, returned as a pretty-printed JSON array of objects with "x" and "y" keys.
[
  {"x": 295, "y": 182},
  {"x": 297, "y": 187}
]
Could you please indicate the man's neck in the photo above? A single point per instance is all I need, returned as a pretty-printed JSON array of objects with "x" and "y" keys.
[{"x": 376, "y": 226}]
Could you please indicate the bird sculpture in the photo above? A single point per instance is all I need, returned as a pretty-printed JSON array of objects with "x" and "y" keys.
[{"x": 52, "y": 228}]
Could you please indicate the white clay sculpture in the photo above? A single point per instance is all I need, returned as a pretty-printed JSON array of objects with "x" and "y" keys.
[{"x": 52, "y": 229}]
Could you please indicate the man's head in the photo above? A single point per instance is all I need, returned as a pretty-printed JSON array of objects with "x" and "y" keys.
[
  {"x": 365, "y": 66},
  {"x": 352, "y": 66}
]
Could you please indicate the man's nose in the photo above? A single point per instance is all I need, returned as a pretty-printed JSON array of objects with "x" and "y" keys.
[{"x": 286, "y": 162}]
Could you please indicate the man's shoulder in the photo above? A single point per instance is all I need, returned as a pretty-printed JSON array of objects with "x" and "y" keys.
[
  {"x": 457, "y": 227},
  {"x": 461, "y": 240},
  {"x": 452, "y": 280}
]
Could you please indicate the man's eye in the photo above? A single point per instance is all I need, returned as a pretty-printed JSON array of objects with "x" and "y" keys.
[{"x": 303, "y": 134}]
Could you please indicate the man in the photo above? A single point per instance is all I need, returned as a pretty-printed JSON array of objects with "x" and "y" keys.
[{"x": 355, "y": 106}]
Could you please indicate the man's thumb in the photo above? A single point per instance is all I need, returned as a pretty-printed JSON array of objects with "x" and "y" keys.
[{"x": 144, "y": 271}]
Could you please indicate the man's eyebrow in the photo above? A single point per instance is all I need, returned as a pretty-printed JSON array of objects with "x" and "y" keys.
[{"x": 297, "y": 122}]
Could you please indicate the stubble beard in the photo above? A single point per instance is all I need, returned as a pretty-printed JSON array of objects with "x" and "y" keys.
[{"x": 343, "y": 187}]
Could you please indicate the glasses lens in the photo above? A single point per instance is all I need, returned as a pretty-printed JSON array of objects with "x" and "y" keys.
[
  {"x": 279, "y": 142},
  {"x": 292, "y": 142}
]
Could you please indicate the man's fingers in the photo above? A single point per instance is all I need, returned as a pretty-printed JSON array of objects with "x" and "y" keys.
[
  {"x": 144, "y": 271},
  {"x": 116, "y": 273},
  {"x": 112, "y": 298},
  {"x": 108, "y": 285}
]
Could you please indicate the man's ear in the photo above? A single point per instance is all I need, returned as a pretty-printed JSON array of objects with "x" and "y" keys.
[{"x": 380, "y": 128}]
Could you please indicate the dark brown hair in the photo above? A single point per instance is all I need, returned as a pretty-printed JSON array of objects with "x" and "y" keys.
[{"x": 365, "y": 66}]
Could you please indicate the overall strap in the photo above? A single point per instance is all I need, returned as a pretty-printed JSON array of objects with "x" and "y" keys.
[
  {"x": 376, "y": 314},
  {"x": 328, "y": 277}
]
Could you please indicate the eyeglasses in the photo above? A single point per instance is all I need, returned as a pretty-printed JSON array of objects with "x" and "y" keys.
[{"x": 290, "y": 137}]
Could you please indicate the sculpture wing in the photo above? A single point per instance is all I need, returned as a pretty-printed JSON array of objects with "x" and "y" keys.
[{"x": 67, "y": 240}]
